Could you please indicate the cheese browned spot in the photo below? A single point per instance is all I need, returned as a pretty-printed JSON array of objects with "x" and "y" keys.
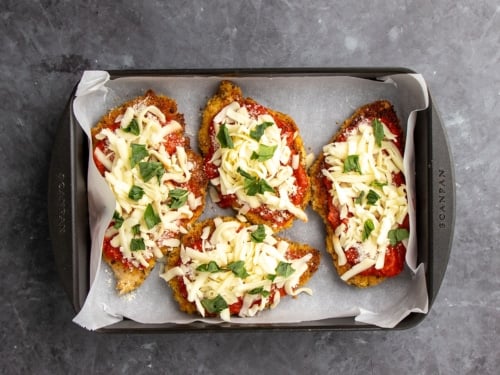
[
  {"x": 225, "y": 267},
  {"x": 157, "y": 181}
]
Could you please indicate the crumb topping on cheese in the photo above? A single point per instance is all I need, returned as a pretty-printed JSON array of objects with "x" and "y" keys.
[
  {"x": 257, "y": 168},
  {"x": 238, "y": 263},
  {"x": 147, "y": 183},
  {"x": 361, "y": 170}
]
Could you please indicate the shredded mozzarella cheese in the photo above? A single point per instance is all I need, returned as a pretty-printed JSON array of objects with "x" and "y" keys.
[
  {"x": 228, "y": 243},
  {"x": 366, "y": 197},
  {"x": 277, "y": 170},
  {"x": 121, "y": 177}
]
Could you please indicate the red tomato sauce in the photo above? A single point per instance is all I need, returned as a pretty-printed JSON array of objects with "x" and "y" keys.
[
  {"x": 114, "y": 254},
  {"x": 394, "y": 128},
  {"x": 393, "y": 263},
  {"x": 103, "y": 146},
  {"x": 171, "y": 141}
]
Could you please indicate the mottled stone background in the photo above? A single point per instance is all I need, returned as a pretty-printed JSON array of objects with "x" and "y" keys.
[{"x": 45, "y": 45}]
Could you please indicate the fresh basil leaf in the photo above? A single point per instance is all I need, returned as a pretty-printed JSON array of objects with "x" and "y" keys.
[
  {"x": 284, "y": 269},
  {"x": 259, "y": 234},
  {"x": 245, "y": 174},
  {"x": 136, "y": 193},
  {"x": 148, "y": 170},
  {"x": 264, "y": 153},
  {"x": 214, "y": 305},
  {"x": 264, "y": 186},
  {"x": 118, "y": 220},
  {"x": 137, "y": 244},
  {"x": 261, "y": 291},
  {"x": 150, "y": 217},
  {"x": 211, "y": 267},
  {"x": 139, "y": 152},
  {"x": 397, "y": 235},
  {"x": 368, "y": 227},
  {"x": 378, "y": 131},
  {"x": 372, "y": 197},
  {"x": 132, "y": 127},
  {"x": 271, "y": 277},
  {"x": 359, "y": 199},
  {"x": 224, "y": 138},
  {"x": 253, "y": 185},
  {"x": 136, "y": 229},
  {"x": 178, "y": 198},
  {"x": 351, "y": 164},
  {"x": 238, "y": 268},
  {"x": 258, "y": 131},
  {"x": 378, "y": 184}
]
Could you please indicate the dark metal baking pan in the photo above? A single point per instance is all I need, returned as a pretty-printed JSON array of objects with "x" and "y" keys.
[{"x": 68, "y": 210}]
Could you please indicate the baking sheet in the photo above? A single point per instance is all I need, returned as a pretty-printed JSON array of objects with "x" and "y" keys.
[{"x": 319, "y": 104}]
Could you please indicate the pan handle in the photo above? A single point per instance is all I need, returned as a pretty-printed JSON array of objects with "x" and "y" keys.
[
  {"x": 442, "y": 208},
  {"x": 68, "y": 207},
  {"x": 60, "y": 208}
]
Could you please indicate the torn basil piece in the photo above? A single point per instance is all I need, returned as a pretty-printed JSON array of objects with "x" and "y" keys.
[
  {"x": 238, "y": 268},
  {"x": 132, "y": 127},
  {"x": 138, "y": 153},
  {"x": 397, "y": 235},
  {"x": 148, "y": 170},
  {"x": 150, "y": 217},
  {"x": 378, "y": 131},
  {"x": 178, "y": 197},
  {"x": 254, "y": 185},
  {"x": 284, "y": 269},
  {"x": 137, "y": 244},
  {"x": 224, "y": 138},
  {"x": 259, "y": 234},
  {"x": 211, "y": 267},
  {"x": 351, "y": 164},
  {"x": 261, "y": 291},
  {"x": 264, "y": 153},
  {"x": 258, "y": 131},
  {"x": 372, "y": 197},
  {"x": 368, "y": 227},
  {"x": 118, "y": 220},
  {"x": 136, "y": 193},
  {"x": 136, "y": 229},
  {"x": 214, "y": 305}
]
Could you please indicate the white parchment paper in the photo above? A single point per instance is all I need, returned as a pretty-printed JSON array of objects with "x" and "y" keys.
[{"x": 318, "y": 104}]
